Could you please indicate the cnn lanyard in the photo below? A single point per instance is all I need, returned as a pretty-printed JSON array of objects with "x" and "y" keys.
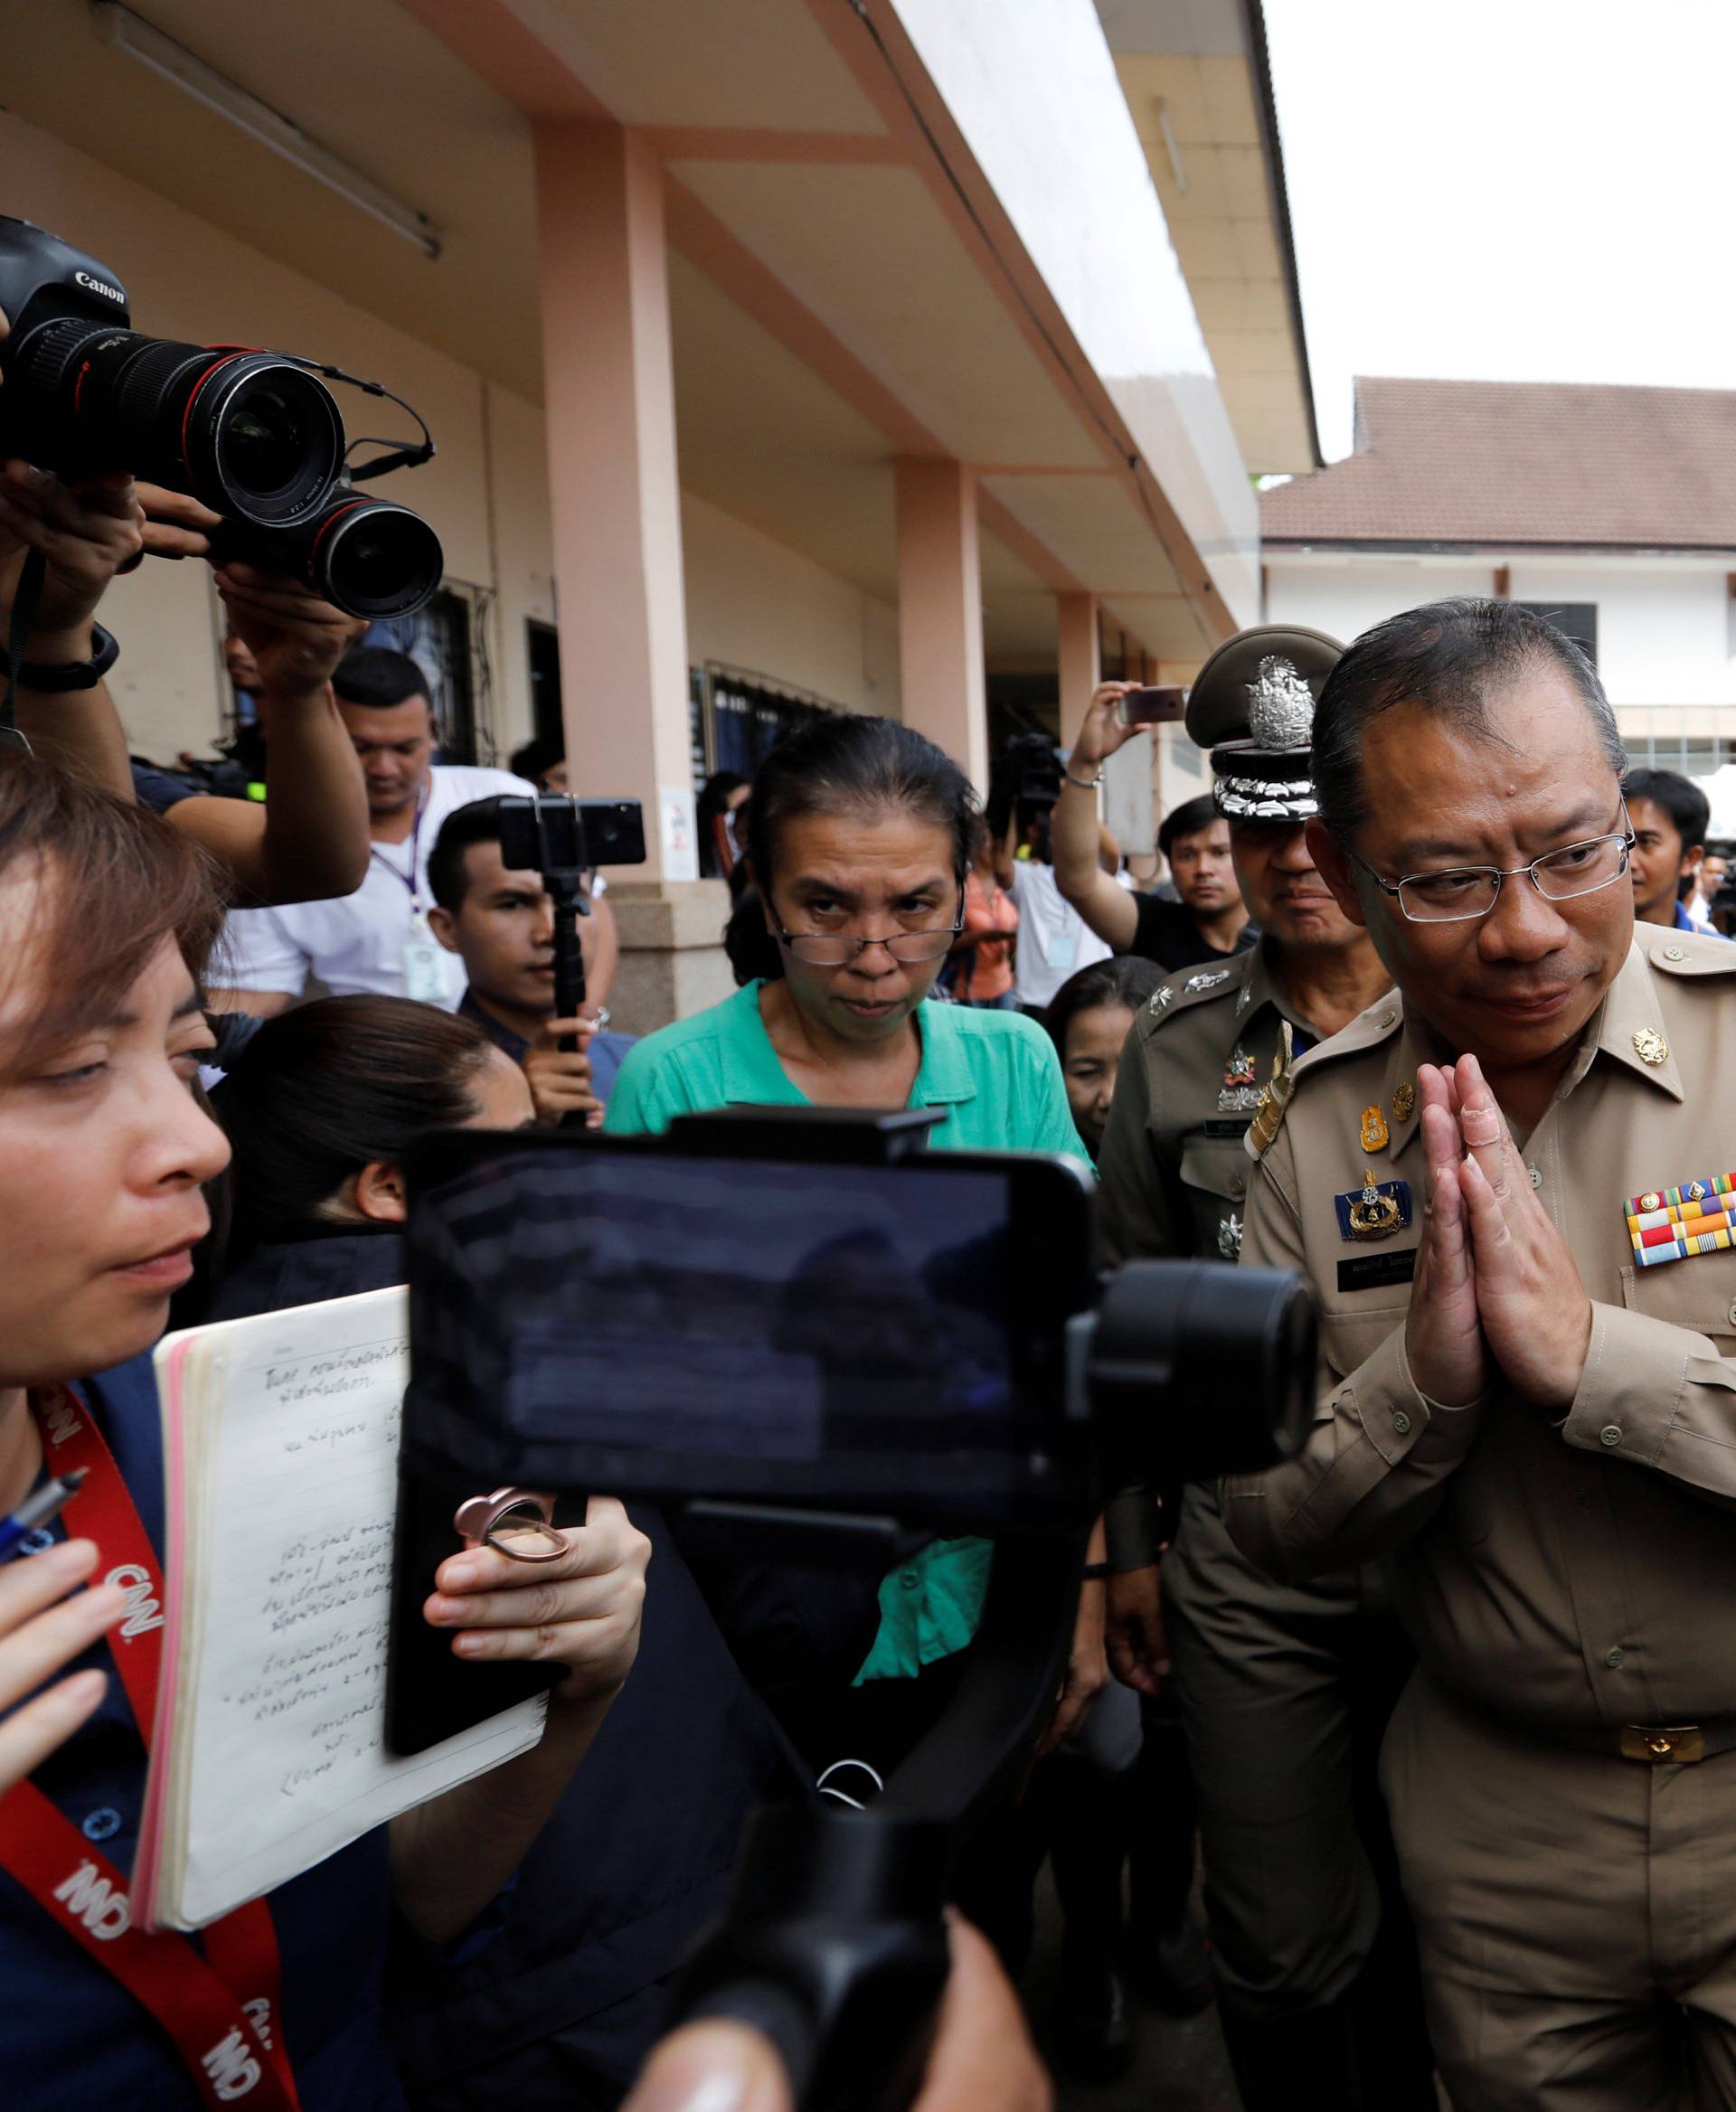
[{"x": 222, "y": 2010}]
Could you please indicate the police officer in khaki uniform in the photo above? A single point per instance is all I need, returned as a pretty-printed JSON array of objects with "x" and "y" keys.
[
  {"x": 1528, "y": 1294},
  {"x": 1284, "y": 1689}
]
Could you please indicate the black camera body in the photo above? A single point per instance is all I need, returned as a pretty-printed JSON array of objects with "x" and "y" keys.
[{"x": 255, "y": 435}]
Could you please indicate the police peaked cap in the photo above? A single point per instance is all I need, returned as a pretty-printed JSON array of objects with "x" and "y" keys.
[{"x": 1253, "y": 705}]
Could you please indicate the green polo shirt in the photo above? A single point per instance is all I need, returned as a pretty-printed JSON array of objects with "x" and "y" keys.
[{"x": 996, "y": 1074}]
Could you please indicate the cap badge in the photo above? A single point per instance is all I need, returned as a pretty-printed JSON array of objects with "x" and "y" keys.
[
  {"x": 1280, "y": 706},
  {"x": 1376, "y": 1210},
  {"x": 1404, "y": 1099},
  {"x": 1651, "y": 1047},
  {"x": 1373, "y": 1129},
  {"x": 1674, "y": 1224}
]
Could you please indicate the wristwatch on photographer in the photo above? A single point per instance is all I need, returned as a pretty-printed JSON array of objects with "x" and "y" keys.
[{"x": 70, "y": 674}]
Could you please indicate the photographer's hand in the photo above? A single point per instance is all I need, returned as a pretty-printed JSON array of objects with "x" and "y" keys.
[
  {"x": 309, "y": 841},
  {"x": 559, "y": 1079},
  {"x": 450, "y": 1858},
  {"x": 84, "y": 537},
  {"x": 581, "y": 1612},
  {"x": 982, "y": 2060}
]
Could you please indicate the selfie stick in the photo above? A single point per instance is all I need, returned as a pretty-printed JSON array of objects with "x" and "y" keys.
[
  {"x": 547, "y": 834},
  {"x": 834, "y": 1942}
]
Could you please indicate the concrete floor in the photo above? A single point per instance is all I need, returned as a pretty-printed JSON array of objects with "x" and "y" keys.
[{"x": 1179, "y": 2062}]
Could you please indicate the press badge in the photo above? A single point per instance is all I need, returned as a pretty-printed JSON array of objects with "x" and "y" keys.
[{"x": 424, "y": 965}]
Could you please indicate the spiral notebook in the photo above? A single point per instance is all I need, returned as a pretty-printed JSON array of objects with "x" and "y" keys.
[{"x": 269, "y": 1752}]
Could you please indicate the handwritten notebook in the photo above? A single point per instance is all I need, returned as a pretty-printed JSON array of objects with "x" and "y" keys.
[{"x": 268, "y": 1753}]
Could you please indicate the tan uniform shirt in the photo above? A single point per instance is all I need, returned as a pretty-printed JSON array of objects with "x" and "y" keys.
[
  {"x": 1173, "y": 1179},
  {"x": 1577, "y": 1576},
  {"x": 1174, "y": 1175}
]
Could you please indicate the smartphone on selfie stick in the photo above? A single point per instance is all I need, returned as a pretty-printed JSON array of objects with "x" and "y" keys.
[{"x": 563, "y": 839}]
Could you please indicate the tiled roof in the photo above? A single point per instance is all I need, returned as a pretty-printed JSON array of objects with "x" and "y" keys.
[{"x": 1564, "y": 463}]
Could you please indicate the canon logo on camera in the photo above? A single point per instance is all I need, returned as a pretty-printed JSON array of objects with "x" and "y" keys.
[{"x": 101, "y": 285}]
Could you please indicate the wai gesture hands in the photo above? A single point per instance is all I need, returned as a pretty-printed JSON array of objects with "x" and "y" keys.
[{"x": 1495, "y": 1285}]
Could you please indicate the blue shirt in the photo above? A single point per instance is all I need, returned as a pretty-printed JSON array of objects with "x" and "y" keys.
[
  {"x": 72, "y": 2038},
  {"x": 606, "y": 1049},
  {"x": 1683, "y": 922}
]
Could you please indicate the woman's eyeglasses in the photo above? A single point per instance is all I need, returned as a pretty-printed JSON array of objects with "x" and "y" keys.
[{"x": 837, "y": 949}]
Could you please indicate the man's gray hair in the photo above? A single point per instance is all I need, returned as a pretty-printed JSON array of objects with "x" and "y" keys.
[{"x": 1448, "y": 658}]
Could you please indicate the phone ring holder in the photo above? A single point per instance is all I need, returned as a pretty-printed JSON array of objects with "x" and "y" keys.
[{"x": 479, "y": 1521}]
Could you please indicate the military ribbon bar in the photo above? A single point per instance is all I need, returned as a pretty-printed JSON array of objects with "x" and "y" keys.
[{"x": 1673, "y": 1224}]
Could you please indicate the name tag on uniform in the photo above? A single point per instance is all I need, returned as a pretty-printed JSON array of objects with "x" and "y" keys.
[
  {"x": 1373, "y": 1272},
  {"x": 1674, "y": 1224}
]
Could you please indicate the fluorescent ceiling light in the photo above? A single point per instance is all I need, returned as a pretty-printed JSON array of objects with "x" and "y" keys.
[{"x": 131, "y": 34}]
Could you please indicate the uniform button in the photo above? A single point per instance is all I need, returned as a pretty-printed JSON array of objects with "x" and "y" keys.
[
  {"x": 1537, "y": 1173},
  {"x": 1237, "y": 1184},
  {"x": 1612, "y": 1658},
  {"x": 909, "y": 1580},
  {"x": 1387, "y": 1018},
  {"x": 1611, "y": 1434},
  {"x": 1673, "y": 953},
  {"x": 102, "y": 1825},
  {"x": 1733, "y": 1313},
  {"x": 1401, "y": 1423}
]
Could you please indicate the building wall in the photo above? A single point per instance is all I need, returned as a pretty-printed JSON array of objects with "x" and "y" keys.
[
  {"x": 754, "y": 605},
  {"x": 1663, "y": 624},
  {"x": 751, "y": 603}
]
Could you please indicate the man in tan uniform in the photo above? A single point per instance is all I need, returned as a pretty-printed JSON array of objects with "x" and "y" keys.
[
  {"x": 1528, "y": 1300},
  {"x": 1284, "y": 1689}
]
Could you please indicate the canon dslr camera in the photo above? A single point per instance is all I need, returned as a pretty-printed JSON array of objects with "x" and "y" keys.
[{"x": 255, "y": 435}]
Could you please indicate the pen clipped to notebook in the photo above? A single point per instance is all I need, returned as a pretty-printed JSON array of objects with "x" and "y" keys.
[{"x": 38, "y": 1509}]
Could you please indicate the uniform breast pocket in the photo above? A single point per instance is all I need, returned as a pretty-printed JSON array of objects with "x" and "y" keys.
[
  {"x": 1214, "y": 1172},
  {"x": 1354, "y": 1324},
  {"x": 1697, "y": 1292}
]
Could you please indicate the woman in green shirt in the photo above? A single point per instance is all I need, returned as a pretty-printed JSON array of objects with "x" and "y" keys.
[{"x": 858, "y": 841}]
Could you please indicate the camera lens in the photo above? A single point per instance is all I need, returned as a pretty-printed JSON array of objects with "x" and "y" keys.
[
  {"x": 262, "y": 443},
  {"x": 249, "y": 434},
  {"x": 1199, "y": 1369},
  {"x": 374, "y": 558}
]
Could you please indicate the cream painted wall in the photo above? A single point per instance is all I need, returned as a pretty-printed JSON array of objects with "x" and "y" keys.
[
  {"x": 755, "y": 605},
  {"x": 752, "y": 602}
]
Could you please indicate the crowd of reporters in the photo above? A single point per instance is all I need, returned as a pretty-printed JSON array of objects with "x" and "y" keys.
[{"x": 351, "y": 962}]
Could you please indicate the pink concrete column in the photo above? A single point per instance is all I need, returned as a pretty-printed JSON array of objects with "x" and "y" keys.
[
  {"x": 610, "y": 392},
  {"x": 1081, "y": 663},
  {"x": 940, "y": 610}
]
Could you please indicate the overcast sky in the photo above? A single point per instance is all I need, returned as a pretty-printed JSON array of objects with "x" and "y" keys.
[{"x": 1510, "y": 190}]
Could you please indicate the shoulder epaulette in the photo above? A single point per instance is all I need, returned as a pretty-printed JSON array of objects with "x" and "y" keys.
[
  {"x": 1189, "y": 987},
  {"x": 1688, "y": 953}
]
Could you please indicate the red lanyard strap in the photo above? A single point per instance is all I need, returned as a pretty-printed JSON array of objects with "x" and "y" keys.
[{"x": 222, "y": 2010}]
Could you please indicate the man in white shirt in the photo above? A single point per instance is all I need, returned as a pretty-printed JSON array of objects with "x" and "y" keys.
[
  {"x": 376, "y": 940},
  {"x": 1054, "y": 940}
]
